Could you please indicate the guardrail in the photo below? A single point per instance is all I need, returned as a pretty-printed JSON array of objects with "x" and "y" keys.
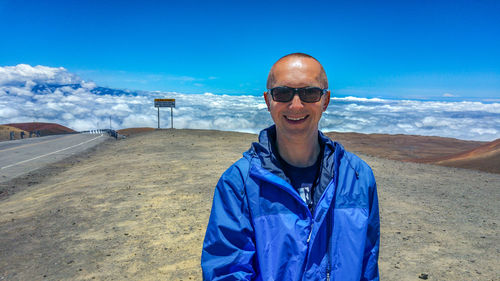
[{"x": 111, "y": 133}]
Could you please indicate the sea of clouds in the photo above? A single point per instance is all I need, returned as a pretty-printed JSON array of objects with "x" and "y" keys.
[{"x": 47, "y": 94}]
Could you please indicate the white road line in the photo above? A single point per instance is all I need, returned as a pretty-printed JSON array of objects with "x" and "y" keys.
[{"x": 24, "y": 161}]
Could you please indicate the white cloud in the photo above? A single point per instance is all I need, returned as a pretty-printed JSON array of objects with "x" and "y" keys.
[
  {"x": 350, "y": 98},
  {"x": 121, "y": 107},
  {"x": 23, "y": 73},
  {"x": 448, "y": 95},
  {"x": 6, "y": 112}
]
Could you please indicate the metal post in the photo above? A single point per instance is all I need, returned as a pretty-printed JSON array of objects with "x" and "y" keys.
[
  {"x": 158, "y": 117},
  {"x": 171, "y": 117}
]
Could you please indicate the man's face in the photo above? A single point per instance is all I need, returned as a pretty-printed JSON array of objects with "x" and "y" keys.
[{"x": 296, "y": 118}]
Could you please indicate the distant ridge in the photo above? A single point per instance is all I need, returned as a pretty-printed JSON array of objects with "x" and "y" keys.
[
  {"x": 485, "y": 158},
  {"x": 450, "y": 152},
  {"x": 403, "y": 147},
  {"x": 48, "y": 88},
  {"x": 45, "y": 129}
]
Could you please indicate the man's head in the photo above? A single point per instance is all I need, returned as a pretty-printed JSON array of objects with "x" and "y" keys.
[{"x": 297, "y": 118}]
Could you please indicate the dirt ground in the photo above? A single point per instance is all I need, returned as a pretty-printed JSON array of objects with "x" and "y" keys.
[{"x": 137, "y": 209}]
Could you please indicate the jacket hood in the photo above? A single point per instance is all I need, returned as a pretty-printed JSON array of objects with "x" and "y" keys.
[{"x": 267, "y": 153}]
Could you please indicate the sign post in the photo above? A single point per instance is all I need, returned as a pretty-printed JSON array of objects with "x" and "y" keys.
[{"x": 166, "y": 103}]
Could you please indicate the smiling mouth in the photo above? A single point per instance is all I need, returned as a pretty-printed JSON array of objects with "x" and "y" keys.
[{"x": 296, "y": 119}]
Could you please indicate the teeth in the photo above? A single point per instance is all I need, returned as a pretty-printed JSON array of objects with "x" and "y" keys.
[{"x": 295, "y": 119}]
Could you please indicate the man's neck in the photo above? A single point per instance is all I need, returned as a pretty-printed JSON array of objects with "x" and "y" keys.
[{"x": 299, "y": 152}]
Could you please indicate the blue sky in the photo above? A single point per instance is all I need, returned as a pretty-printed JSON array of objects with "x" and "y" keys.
[{"x": 391, "y": 49}]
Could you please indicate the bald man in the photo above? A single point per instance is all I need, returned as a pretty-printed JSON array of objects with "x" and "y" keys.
[{"x": 297, "y": 205}]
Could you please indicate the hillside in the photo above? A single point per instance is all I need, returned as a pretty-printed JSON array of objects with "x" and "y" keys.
[
  {"x": 485, "y": 158},
  {"x": 475, "y": 155},
  {"x": 402, "y": 147},
  {"x": 45, "y": 129}
]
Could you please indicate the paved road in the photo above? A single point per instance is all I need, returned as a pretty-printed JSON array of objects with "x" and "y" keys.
[{"x": 22, "y": 156}]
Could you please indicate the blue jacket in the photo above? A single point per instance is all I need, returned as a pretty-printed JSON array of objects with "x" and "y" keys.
[{"x": 260, "y": 228}]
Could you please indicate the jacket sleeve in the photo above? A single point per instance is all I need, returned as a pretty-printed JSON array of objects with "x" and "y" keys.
[
  {"x": 229, "y": 248},
  {"x": 370, "y": 259}
]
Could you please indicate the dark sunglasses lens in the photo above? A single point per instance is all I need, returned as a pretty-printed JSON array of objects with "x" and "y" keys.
[
  {"x": 310, "y": 95},
  {"x": 282, "y": 94}
]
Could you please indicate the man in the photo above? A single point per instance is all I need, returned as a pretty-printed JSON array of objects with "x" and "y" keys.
[{"x": 296, "y": 206}]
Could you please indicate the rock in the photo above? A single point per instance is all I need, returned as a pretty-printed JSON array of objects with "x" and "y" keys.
[{"x": 423, "y": 276}]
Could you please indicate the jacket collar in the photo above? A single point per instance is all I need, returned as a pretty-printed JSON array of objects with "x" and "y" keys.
[{"x": 267, "y": 153}]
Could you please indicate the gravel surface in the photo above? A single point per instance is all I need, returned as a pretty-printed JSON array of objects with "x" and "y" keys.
[{"x": 137, "y": 209}]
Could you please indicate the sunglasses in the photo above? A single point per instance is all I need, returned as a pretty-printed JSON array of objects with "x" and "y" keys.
[{"x": 307, "y": 94}]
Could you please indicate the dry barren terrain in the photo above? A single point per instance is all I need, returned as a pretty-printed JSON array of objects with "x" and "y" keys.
[{"x": 137, "y": 209}]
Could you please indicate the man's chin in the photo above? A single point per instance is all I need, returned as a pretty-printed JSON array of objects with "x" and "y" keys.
[{"x": 298, "y": 130}]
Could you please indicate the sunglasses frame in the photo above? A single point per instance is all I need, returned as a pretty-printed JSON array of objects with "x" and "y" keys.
[{"x": 296, "y": 92}]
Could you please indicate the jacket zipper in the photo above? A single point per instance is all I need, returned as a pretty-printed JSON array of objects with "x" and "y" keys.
[
  {"x": 310, "y": 232},
  {"x": 328, "y": 270}
]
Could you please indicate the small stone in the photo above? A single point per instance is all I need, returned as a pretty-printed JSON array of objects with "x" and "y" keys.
[{"x": 423, "y": 276}]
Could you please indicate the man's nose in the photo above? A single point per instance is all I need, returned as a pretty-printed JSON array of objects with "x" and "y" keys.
[{"x": 296, "y": 103}]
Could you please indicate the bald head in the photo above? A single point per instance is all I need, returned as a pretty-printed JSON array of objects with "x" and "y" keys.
[{"x": 298, "y": 62}]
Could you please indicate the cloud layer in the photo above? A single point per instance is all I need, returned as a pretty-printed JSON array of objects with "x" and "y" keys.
[{"x": 46, "y": 94}]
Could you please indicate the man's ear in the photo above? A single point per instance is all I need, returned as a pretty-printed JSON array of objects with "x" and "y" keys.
[
  {"x": 327, "y": 100},
  {"x": 267, "y": 100}
]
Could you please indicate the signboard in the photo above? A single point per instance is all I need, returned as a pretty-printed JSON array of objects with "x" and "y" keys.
[{"x": 164, "y": 102}]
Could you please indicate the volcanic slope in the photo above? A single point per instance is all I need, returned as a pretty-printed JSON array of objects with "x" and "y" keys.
[{"x": 485, "y": 158}]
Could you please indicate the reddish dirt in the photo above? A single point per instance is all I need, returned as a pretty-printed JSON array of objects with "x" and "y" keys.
[
  {"x": 484, "y": 158},
  {"x": 403, "y": 147},
  {"x": 45, "y": 129},
  {"x": 476, "y": 155},
  {"x": 485, "y": 150}
]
